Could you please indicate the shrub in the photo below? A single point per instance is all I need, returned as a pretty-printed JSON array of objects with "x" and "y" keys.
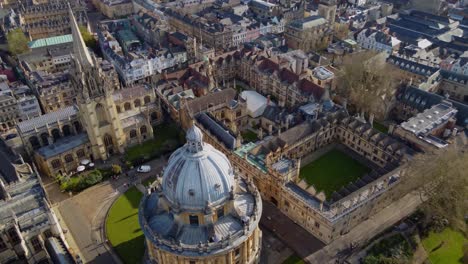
[
  {"x": 92, "y": 178},
  {"x": 79, "y": 183},
  {"x": 116, "y": 169},
  {"x": 392, "y": 250}
]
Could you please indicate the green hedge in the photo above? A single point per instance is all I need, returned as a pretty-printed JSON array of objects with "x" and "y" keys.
[{"x": 83, "y": 181}]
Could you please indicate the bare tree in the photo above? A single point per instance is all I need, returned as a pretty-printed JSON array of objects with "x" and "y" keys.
[
  {"x": 369, "y": 83},
  {"x": 340, "y": 30},
  {"x": 441, "y": 179}
]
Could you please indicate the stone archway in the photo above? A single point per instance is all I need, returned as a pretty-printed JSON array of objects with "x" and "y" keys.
[
  {"x": 56, "y": 134},
  {"x": 66, "y": 130},
  {"x": 34, "y": 141},
  {"x": 109, "y": 144},
  {"x": 45, "y": 139}
]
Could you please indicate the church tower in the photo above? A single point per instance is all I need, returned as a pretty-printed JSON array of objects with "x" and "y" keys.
[
  {"x": 94, "y": 81},
  {"x": 327, "y": 9}
]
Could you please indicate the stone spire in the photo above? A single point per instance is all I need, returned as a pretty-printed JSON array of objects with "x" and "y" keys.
[{"x": 79, "y": 48}]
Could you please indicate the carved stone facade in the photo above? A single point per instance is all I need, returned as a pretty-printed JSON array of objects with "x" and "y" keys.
[
  {"x": 48, "y": 19},
  {"x": 325, "y": 217},
  {"x": 104, "y": 120}
]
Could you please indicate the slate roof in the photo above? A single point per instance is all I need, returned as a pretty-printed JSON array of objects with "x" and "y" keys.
[
  {"x": 412, "y": 66},
  {"x": 7, "y": 170},
  {"x": 454, "y": 77},
  {"x": 220, "y": 132},
  {"x": 422, "y": 100},
  {"x": 200, "y": 104},
  {"x": 49, "y": 118},
  {"x": 63, "y": 145}
]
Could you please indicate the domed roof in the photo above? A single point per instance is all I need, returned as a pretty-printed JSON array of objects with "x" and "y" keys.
[{"x": 197, "y": 175}]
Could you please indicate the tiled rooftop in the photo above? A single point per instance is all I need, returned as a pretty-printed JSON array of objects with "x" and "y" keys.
[
  {"x": 63, "y": 145},
  {"x": 50, "y": 118}
]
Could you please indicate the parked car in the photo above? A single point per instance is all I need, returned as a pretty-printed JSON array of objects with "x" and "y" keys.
[{"x": 144, "y": 168}]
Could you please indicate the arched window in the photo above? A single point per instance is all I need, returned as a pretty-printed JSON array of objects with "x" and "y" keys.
[
  {"x": 143, "y": 130},
  {"x": 108, "y": 140},
  {"x": 117, "y": 107},
  {"x": 34, "y": 142},
  {"x": 68, "y": 158},
  {"x": 127, "y": 106},
  {"x": 100, "y": 114},
  {"x": 56, "y": 163},
  {"x": 56, "y": 134},
  {"x": 45, "y": 139},
  {"x": 66, "y": 130},
  {"x": 137, "y": 103},
  {"x": 80, "y": 153},
  {"x": 147, "y": 100},
  {"x": 133, "y": 133}
]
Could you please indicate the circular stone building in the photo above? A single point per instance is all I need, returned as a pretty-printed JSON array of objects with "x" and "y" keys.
[{"x": 201, "y": 212}]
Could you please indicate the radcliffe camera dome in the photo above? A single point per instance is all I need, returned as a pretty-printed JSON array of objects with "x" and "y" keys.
[
  {"x": 201, "y": 210},
  {"x": 197, "y": 174}
]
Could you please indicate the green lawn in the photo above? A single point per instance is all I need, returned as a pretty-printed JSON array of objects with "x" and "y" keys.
[
  {"x": 293, "y": 259},
  {"x": 249, "y": 136},
  {"x": 449, "y": 244},
  {"x": 380, "y": 127},
  {"x": 167, "y": 137},
  {"x": 123, "y": 229},
  {"x": 332, "y": 171}
]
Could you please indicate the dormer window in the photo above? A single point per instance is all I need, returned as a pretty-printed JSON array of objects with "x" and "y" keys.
[
  {"x": 220, "y": 212},
  {"x": 193, "y": 220}
]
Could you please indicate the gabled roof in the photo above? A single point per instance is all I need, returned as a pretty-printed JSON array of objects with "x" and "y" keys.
[
  {"x": 422, "y": 100},
  {"x": 49, "y": 118}
]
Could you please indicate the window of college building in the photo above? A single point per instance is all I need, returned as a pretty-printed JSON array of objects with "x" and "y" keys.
[
  {"x": 55, "y": 164},
  {"x": 193, "y": 219},
  {"x": 36, "y": 244},
  {"x": 14, "y": 238}
]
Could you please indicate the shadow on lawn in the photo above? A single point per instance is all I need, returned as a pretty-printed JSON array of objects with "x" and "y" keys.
[
  {"x": 129, "y": 216},
  {"x": 133, "y": 196},
  {"x": 132, "y": 251}
]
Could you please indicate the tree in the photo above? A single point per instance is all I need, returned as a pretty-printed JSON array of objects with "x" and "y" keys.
[
  {"x": 17, "y": 42},
  {"x": 341, "y": 30},
  {"x": 440, "y": 179},
  {"x": 368, "y": 83},
  {"x": 89, "y": 39},
  {"x": 92, "y": 178},
  {"x": 116, "y": 169}
]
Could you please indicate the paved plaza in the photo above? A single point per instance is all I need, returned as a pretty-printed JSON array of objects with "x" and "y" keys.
[{"x": 85, "y": 214}]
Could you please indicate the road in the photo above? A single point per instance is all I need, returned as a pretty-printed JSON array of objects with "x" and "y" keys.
[
  {"x": 293, "y": 235},
  {"x": 84, "y": 214},
  {"x": 366, "y": 230}
]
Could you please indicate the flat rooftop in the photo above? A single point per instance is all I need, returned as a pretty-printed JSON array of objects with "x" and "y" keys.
[{"x": 424, "y": 123}]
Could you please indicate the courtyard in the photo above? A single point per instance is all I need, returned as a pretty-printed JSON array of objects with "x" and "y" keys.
[
  {"x": 249, "y": 136},
  {"x": 332, "y": 170},
  {"x": 167, "y": 137},
  {"x": 123, "y": 229}
]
